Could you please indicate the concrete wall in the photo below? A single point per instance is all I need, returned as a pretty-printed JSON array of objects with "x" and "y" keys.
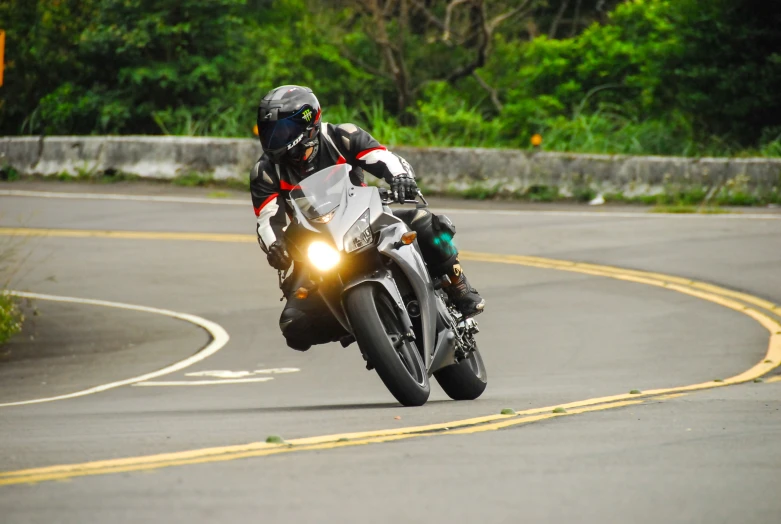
[
  {"x": 438, "y": 168},
  {"x": 146, "y": 156}
]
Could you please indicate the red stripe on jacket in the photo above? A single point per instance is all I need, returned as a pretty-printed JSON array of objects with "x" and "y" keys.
[
  {"x": 367, "y": 151},
  {"x": 264, "y": 204},
  {"x": 287, "y": 186}
]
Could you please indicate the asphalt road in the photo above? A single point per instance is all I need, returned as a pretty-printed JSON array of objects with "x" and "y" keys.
[{"x": 549, "y": 337}]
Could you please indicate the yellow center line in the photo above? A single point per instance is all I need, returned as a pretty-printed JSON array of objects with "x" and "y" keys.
[
  {"x": 261, "y": 449},
  {"x": 126, "y": 235},
  {"x": 725, "y": 297}
]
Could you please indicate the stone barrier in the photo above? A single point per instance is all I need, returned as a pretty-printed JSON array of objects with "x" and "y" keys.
[{"x": 439, "y": 169}]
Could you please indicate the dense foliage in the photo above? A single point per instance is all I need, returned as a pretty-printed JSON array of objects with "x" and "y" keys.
[
  {"x": 10, "y": 318},
  {"x": 640, "y": 76}
]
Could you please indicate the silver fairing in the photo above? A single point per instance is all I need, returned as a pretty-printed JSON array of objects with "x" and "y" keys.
[
  {"x": 409, "y": 259},
  {"x": 355, "y": 201},
  {"x": 388, "y": 231}
]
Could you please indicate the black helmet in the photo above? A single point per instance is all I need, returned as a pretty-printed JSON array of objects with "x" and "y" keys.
[{"x": 288, "y": 124}]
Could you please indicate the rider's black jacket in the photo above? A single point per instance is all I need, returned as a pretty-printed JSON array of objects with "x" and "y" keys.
[{"x": 338, "y": 144}]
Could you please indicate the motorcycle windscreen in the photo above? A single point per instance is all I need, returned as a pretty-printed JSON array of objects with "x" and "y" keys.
[{"x": 320, "y": 193}]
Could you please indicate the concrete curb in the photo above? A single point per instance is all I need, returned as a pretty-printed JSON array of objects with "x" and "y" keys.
[{"x": 440, "y": 169}]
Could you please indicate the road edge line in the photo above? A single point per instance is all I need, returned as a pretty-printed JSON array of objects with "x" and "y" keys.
[{"x": 219, "y": 337}]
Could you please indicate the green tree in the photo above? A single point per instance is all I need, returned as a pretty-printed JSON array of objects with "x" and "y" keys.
[
  {"x": 710, "y": 68},
  {"x": 123, "y": 66},
  {"x": 41, "y": 53},
  {"x": 637, "y": 76},
  {"x": 727, "y": 71},
  {"x": 301, "y": 42}
]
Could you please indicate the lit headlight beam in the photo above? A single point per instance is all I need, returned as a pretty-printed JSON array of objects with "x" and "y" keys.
[{"x": 323, "y": 256}]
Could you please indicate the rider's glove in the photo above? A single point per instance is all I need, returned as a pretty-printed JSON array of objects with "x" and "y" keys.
[
  {"x": 278, "y": 257},
  {"x": 404, "y": 187}
]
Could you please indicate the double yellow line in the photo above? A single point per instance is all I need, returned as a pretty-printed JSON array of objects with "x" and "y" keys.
[
  {"x": 262, "y": 449},
  {"x": 759, "y": 309},
  {"x": 125, "y": 235}
]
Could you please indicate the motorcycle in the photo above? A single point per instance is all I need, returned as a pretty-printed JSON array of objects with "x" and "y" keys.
[{"x": 366, "y": 265}]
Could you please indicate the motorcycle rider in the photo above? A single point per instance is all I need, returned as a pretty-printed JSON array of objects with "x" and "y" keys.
[{"x": 297, "y": 144}]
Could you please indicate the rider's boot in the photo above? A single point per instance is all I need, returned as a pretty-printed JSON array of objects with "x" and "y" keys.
[{"x": 464, "y": 296}]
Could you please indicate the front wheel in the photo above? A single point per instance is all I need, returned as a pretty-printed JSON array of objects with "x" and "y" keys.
[
  {"x": 380, "y": 334},
  {"x": 466, "y": 380}
]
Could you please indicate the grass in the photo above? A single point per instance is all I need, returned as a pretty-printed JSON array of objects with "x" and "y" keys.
[
  {"x": 10, "y": 318},
  {"x": 88, "y": 176},
  {"x": 673, "y": 199},
  {"x": 196, "y": 179},
  {"x": 477, "y": 192},
  {"x": 686, "y": 209},
  {"x": 9, "y": 174},
  {"x": 191, "y": 179},
  {"x": 218, "y": 194},
  {"x": 540, "y": 194},
  {"x": 608, "y": 129}
]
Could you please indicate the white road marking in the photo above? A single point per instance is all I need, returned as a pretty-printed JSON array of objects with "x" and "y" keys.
[
  {"x": 224, "y": 376},
  {"x": 204, "y": 382},
  {"x": 224, "y": 373},
  {"x": 117, "y": 196},
  {"x": 219, "y": 336},
  {"x": 603, "y": 213}
]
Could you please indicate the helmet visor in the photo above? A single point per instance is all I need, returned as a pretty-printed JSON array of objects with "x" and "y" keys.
[{"x": 279, "y": 133}]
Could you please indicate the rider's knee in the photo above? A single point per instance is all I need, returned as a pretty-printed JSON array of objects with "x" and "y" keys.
[
  {"x": 435, "y": 238},
  {"x": 304, "y": 329},
  {"x": 291, "y": 322},
  {"x": 443, "y": 224}
]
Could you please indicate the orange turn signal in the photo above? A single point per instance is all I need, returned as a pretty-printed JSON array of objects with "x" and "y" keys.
[
  {"x": 302, "y": 293},
  {"x": 408, "y": 237}
]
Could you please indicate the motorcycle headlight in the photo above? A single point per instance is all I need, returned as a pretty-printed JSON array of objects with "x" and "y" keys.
[
  {"x": 359, "y": 235},
  {"x": 322, "y": 256}
]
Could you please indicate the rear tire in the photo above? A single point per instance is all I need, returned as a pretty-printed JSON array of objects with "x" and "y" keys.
[
  {"x": 376, "y": 323},
  {"x": 466, "y": 380}
]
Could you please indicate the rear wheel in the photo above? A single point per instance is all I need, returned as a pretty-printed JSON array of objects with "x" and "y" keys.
[
  {"x": 466, "y": 380},
  {"x": 380, "y": 333}
]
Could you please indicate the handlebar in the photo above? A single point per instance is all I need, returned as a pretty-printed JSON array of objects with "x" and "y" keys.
[{"x": 420, "y": 201}]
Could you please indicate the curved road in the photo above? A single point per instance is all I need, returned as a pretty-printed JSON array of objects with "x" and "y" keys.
[{"x": 551, "y": 337}]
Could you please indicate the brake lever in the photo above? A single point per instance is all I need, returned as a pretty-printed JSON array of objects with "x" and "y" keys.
[{"x": 421, "y": 203}]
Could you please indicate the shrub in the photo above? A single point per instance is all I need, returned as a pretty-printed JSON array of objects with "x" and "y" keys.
[{"x": 10, "y": 318}]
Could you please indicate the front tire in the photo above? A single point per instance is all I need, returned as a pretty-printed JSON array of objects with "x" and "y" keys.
[
  {"x": 378, "y": 330},
  {"x": 466, "y": 380}
]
